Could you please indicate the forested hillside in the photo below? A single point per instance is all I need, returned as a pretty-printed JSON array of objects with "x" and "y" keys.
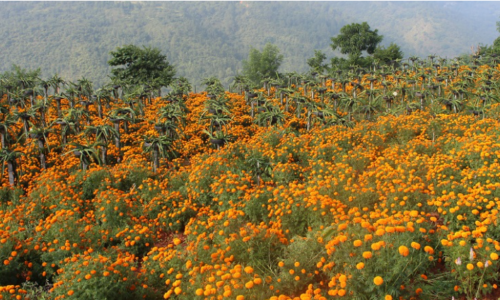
[{"x": 212, "y": 38}]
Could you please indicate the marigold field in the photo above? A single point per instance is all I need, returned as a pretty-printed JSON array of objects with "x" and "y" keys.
[{"x": 384, "y": 186}]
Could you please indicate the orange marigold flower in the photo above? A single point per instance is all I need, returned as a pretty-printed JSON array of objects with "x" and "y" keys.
[
  {"x": 403, "y": 250},
  {"x": 378, "y": 280}
]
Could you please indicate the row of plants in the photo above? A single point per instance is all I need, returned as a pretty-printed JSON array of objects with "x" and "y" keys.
[{"x": 302, "y": 189}]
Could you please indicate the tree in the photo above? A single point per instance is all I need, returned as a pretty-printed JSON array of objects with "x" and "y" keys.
[
  {"x": 159, "y": 146},
  {"x": 86, "y": 154},
  {"x": 103, "y": 134},
  {"x": 263, "y": 64},
  {"x": 9, "y": 157},
  {"x": 388, "y": 55},
  {"x": 141, "y": 66},
  {"x": 316, "y": 63},
  {"x": 354, "y": 40},
  {"x": 493, "y": 49}
]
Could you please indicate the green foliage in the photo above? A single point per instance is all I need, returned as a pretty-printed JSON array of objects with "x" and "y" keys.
[
  {"x": 100, "y": 283},
  {"x": 355, "y": 39},
  {"x": 263, "y": 64},
  {"x": 216, "y": 44},
  {"x": 141, "y": 66},
  {"x": 316, "y": 62},
  {"x": 473, "y": 266},
  {"x": 386, "y": 55}
]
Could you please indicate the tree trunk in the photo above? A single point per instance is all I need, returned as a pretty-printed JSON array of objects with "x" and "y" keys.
[
  {"x": 42, "y": 116},
  {"x": 3, "y": 136},
  {"x": 11, "y": 168},
  {"x": 308, "y": 120},
  {"x": 156, "y": 158},
  {"x": 43, "y": 163},
  {"x": 58, "y": 102},
  {"x": 104, "y": 154},
  {"x": 99, "y": 109},
  {"x": 26, "y": 127}
]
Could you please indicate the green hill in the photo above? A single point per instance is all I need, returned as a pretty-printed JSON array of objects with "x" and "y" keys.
[{"x": 212, "y": 38}]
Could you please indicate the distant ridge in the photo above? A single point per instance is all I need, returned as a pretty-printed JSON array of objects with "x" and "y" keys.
[{"x": 212, "y": 38}]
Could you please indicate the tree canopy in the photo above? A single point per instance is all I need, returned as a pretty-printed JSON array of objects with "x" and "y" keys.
[
  {"x": 387, "y": 55},
  {"x": 146, "y": 65},
  {"x": 263, "y": 64},
  {"x": 355, "y": 40},
  {"x": 316, "y": 62}
]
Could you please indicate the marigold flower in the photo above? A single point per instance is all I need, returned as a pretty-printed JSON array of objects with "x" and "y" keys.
[
  {"x": 378, "y": 280},
  {"x": 403, "y": 250}
]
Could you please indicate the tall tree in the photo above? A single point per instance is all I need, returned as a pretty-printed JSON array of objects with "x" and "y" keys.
[
  {"x": 263, "y": 64},
  {"x": 316, "y": 63},
  {"x": 354, "y": 40},
  {"x": 146, "y": 65},
  {"x": 388, "y": 55}
]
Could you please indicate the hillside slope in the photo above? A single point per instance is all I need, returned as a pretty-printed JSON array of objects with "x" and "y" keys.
[{"x": 212, "y": 38}]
